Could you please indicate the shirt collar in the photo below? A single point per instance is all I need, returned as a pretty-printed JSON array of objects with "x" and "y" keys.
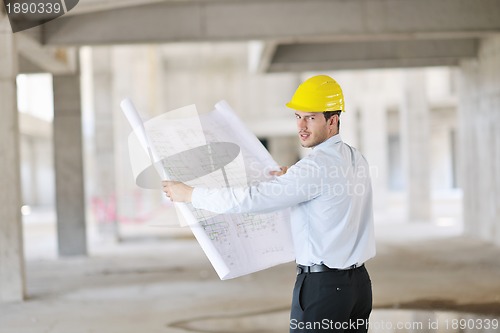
[{"x": 334, "y": 139}]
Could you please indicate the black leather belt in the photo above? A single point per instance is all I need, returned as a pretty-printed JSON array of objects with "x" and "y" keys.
[{"x": 323, "y": 268}]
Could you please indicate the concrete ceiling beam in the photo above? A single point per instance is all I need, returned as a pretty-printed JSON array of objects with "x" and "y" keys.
[
  {"x": 374, "y": 54},
  {"x": 260, "y": 55},
  {"x": 34, "y": 58},
  {"x": 286, "y": 20},
  {"x": 368, "y": 64}
]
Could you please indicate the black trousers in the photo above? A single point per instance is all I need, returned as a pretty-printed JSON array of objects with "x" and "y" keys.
[{"x": 332, "y": 301}]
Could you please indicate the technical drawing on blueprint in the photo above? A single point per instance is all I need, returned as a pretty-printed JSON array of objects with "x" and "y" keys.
[{"x": 216, "y": 150}]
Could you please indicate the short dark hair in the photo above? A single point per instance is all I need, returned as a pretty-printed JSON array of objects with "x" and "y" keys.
[{"x": 329, "y": 114}]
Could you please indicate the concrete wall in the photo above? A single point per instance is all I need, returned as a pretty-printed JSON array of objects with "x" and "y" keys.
[{"x": 479, "y": 110}]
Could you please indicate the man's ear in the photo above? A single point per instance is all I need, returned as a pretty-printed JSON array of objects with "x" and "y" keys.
[{"x": 331, "y": 120}]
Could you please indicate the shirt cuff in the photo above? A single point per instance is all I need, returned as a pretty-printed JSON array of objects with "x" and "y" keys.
[{"x": 197, "y": 197}]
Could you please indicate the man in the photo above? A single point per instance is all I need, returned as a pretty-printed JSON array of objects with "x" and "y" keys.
[{"x": 329, "y": 192}]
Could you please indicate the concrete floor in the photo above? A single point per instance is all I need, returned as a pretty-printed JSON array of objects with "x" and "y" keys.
[{"x": 166, "y": 284}]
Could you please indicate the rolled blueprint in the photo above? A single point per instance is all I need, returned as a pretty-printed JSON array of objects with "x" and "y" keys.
[{"x": 135, "y": 121}]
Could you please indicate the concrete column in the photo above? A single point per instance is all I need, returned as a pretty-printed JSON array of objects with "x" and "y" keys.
[
  {"x": 29, "y": 179},
  {"x": 375, "y": 146},
  {"x": 495, "y": 113},
  {"x": 12, "y": 276},
  {"x": 485, "y": 180},
  {"x": 137, "y": 74},
  {"x": 68, "y": 154},
  {"x": 126, "y": 84},
  {"x": 479, "y": 128},
  {"x": 466, "y": 134},
  {"x": 103, "y": 196},
  {"x": 415, "y": 144},
  {"x": 495, "y": 147},
  {"x": 488, "y": 139}
]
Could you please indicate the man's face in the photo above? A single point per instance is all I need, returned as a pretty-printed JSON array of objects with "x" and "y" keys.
[{"x": 313, "y": 128}]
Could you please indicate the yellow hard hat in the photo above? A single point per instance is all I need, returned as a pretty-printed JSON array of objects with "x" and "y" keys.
[{"x": 319, "y": 93}]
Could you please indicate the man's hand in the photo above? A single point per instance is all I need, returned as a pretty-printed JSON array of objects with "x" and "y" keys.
[
  {"x": 177, "y": 191},
  {"x": 282, "y": 171}
]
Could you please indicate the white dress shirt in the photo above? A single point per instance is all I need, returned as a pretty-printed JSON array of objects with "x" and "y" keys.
[{"x": 330, "y": 195}]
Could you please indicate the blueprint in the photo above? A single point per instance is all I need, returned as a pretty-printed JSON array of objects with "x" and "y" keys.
[{"x": 214, "y": 150}]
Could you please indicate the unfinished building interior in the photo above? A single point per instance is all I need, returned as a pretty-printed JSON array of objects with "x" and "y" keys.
[{"x": 83, "y": 249}]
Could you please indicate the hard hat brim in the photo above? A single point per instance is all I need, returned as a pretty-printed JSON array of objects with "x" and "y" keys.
[{"x": 305, "y": 109}]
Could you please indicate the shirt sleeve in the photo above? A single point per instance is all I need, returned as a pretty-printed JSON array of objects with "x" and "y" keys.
[{"x": 301, "y": 183}]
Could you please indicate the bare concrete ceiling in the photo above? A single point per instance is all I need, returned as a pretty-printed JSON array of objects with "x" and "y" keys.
[{"x": 296, "y": 35}]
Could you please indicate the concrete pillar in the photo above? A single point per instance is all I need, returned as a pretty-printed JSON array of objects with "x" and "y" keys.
[
  {"x": 488, "y": 139},
  {"x": 29, "y": 177},
  {"x": 415, "y": 127},
  {"x": 127, "y": 82},
  {"x": 12, "y": 276},
  {"x": 68, "y": 155},
  {"x": 468, "y": 158},
  {"x": 495, "y": 147},
  {"x": 137, "y": 74},
  {"x": 495, "y": 112},
  {"x": 375, "y": 146},
  {"x": 103, "y": 196},
  {"x": 479, "y": 134}
]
